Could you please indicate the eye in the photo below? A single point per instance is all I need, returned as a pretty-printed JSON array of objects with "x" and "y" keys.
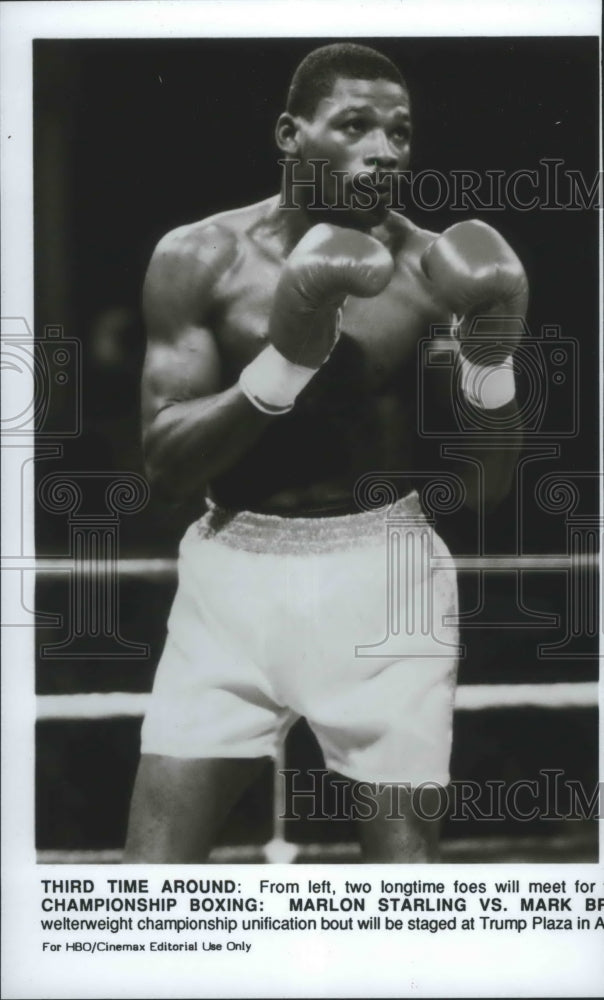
[
  {"x": 354, "y": 126},
  {"x": 400, "y": 134}
]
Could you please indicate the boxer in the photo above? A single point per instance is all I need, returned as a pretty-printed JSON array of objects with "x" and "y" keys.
[{"x": 281, "y": 368}]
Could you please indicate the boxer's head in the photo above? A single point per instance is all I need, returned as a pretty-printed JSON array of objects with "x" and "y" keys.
[{"x": 347, "y": 105}]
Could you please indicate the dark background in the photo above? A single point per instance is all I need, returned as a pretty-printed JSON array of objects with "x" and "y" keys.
[{"x": 133, "y": 138}]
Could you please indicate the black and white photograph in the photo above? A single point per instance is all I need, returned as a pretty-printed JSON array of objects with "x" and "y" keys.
[{"x": 302, "y": 504}]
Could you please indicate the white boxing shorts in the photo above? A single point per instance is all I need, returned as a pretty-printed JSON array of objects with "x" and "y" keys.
[{"x": 345, "y": 620}]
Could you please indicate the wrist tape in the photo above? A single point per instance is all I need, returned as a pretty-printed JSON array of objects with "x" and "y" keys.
[
  {"x": 488, "y": 387},
  {"x": 272, "y": 383}
]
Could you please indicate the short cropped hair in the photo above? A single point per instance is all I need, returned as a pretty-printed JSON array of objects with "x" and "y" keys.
[{"x": 317, "y": 73}]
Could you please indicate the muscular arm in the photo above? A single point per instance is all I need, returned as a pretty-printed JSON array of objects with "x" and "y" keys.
[
  {"x": 476, "y": 274},
  {"x": 496, "y": 456},
  {"x": 193, "y": 429}
]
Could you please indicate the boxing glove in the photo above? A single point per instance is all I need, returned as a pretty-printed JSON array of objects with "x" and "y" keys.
[
  {"x": 327, "y": 264},
  {"x": 479, "y": 278},
  {"x": 475, "y": 273}
]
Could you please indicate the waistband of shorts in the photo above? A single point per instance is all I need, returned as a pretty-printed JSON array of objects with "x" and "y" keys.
[{"x": 273, "y": 534}]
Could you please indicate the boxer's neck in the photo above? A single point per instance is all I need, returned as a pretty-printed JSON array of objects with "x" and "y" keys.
[{"x": 293, "y": 222}]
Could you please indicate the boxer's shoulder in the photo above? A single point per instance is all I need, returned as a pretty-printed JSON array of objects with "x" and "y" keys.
[
  {"x": 198, "y": 246},
  {"x": 190, "y": 261},
  {"x": 211, "y": 245}
]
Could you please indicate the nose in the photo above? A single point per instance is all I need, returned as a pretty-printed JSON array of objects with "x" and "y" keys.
[{"x": 380, "y": 154}]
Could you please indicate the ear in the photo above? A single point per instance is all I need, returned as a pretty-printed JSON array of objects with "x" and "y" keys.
[{"x": 287, "y": 134}]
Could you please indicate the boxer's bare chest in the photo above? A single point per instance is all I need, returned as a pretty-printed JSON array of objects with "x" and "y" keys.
[
  {"x": 382, "y": 332},
  {"x": 356, "y": 414}
]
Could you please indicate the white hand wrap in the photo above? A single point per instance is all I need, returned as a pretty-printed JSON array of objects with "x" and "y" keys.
[
  {"x": 272, "y": 383},
  {"x": 488, "y": 387}
]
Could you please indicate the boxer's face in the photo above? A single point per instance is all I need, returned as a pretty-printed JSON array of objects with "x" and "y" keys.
[{"x": 363, "y": 127}]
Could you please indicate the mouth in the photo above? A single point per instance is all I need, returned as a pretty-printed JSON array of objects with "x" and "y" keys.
[
  {"x": 381, "y": 188},
  {"x": 383, "y": 193},
  {"x": 383, "y": 183}
]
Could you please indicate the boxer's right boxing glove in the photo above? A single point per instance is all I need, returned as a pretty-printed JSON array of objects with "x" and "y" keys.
[{"x": 327, "y": 264}]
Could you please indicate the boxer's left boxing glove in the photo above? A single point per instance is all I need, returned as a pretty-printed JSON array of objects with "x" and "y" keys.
[
  {"x": 328, "y": 264},
  {"x": 479, "y": 278}
]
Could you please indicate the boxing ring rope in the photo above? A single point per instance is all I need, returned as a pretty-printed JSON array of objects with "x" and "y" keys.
[
  {"x": 165, "y": 569},
  {"x": 471, "y": 697}
]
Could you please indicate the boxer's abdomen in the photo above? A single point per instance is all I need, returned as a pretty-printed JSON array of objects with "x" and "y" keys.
[{"x": 311, "y": 458}]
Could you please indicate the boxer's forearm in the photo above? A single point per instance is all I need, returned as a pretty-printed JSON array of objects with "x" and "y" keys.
[
  {"x": 189, "y": 443},
  {"x": 482, "y": 282},
  {"x": 489, "y": 483}
]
